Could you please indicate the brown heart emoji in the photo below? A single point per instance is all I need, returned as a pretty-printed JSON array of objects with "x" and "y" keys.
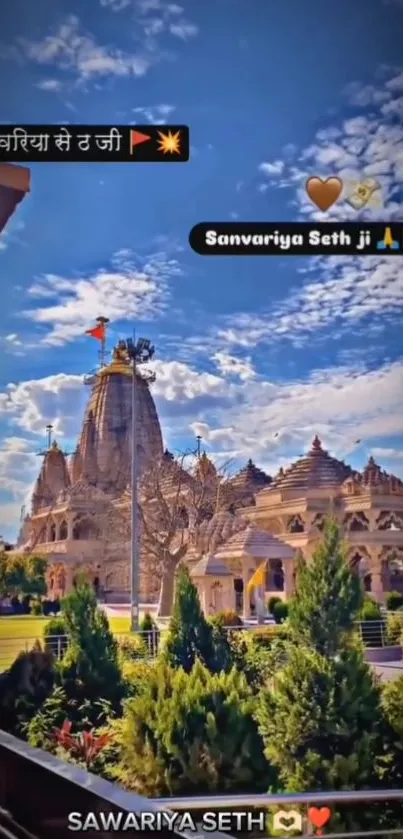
[{"x": 324, "y": 193}]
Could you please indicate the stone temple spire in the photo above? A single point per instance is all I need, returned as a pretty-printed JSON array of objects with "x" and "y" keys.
[
  {"x": 53, "y": 477},
  {"x": 103, "y": 455}
]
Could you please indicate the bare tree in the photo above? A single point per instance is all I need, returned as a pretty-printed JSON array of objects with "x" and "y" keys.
[{"x": 177, "y": 496}]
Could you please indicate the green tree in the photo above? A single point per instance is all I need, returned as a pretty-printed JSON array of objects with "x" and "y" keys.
[
  {"x": 320, "y": 721},
  {"x": 320, "y": 715},
  {"x": 90, "y": 667},
  {"x": 392, "y": 705},
  {"x": 328, "y": 597},
  {"x": 22, "y": 574},
  {"x": 190, "y": 634},
  {"x": 191, "y": 733}
]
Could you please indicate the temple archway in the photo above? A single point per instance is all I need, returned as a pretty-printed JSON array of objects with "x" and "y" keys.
[
  {"x": 355, "y": 522},
  {"x": 319, "y": 521},
  {"x": 274, "y": 575},
  {"x": 296, "y": 525},
  {"x": 389, "y": 521},
  {"x": 360, "y": 564},
  {"x": 52, "y": 533},
  {"x": 85, "y": 528},
  {"x": 63, "y": 530}
]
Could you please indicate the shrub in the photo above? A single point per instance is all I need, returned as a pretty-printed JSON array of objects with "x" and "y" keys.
[
  {"x": 190, "y": 635},
  {"x": 36, "y": 607},
  {"x": 90, "y": 668},
  {"x": 263, "y": 636},
  {"x": 55, "y": 710},
  {"x": 147, "y": 623},
  {"x": 370, "y": 611},
  {"x": 227, "y": 619},
  {"x": 55, "y": 637},
  {"x": 394, "y": 601},
  {"x": 394, "y": 629},
  {"x": 201, "y": 735},
  {"x": 132, "y": 647},
  {"x": 24, "y": 687},
  {"x": 272, "y": 602},
  {"x": 280, "y": 611}
]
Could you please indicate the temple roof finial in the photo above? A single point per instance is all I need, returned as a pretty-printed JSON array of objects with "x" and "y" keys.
[{"x": 316, "y": 443}]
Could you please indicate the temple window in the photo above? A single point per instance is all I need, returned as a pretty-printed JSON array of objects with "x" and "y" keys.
[
  {"x": 296, "y": 525},
  {"x": 355, "y": 522},
  {"x": 84, "y": 529},
  {"x": 389, "y": 521},
  {"x": 63, "y": 530}
]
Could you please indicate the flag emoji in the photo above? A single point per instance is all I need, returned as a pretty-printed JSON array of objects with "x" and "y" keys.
[
  {"x": 97, "y": 332},
  {"x": 258, "y": 579}
]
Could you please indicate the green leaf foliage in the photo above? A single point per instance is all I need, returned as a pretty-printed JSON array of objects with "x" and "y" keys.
[
  {"x": 190, "y": 635},
  {"x": 90, "y": 667},
  {"x": 320, "y": 720},
  {"x": 329, "y": 596},
  {"x": 191, "y": 733}
]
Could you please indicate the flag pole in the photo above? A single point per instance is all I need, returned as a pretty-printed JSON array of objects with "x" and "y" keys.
[{"x": 102, "y": 351}]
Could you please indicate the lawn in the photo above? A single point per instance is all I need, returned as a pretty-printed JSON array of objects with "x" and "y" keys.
[{"x": 20, "y": 633}]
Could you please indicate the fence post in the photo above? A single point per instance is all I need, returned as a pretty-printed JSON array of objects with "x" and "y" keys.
[{"x": 59, "y": 647}]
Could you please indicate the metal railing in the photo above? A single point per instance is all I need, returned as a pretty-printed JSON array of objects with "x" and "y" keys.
[
  {"x": 334, "y": 800},
  {"x": 146, "y": 644}
]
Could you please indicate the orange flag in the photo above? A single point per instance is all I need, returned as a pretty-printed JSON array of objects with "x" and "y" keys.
[{"x": 97, "y": 332}]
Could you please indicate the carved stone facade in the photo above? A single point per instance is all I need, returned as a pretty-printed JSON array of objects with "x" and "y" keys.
[
  {"x": 81, "y": 511},
  {"x": 367, "y": 505}
]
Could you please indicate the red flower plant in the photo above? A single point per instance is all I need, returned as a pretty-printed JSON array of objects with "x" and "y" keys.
[{"x": 85, "y": 746}]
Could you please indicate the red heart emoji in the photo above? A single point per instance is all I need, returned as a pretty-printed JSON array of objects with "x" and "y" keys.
[{"x": 319, "y": 816}]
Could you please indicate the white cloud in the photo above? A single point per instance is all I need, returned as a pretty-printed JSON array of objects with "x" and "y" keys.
[
  {"x": 81, "y": 58},
  {"x": 341, "y": 291},
  {"x": 230, "y": 365},
  {"x": 56, "y": 399},
  {"x": 368, "y": 144},
  {"x": 52, "y": 85},
  {"x": 154, "y": 114},
  {"x": 124, "y": 291}
]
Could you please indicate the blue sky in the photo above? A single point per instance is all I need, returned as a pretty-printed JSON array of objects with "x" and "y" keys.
[{"x": 255, "y": 354}]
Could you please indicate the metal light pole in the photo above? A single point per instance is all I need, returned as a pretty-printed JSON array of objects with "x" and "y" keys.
[{"x": 139, "y": 353}]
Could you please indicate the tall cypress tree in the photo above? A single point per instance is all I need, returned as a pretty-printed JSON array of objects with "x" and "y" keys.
[
  {"x": 320, "y": 717},
  {"x": 328, "y": 595},
  {"x": 190, "y": 635}
]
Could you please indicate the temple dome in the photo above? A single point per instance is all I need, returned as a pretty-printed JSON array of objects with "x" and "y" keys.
[
  {"x": 250, "y": 476},
  {"x": 103, "y": 455},
  {"x": 316, "y": 470},
  {"x": 373, "y": 479},
  {"x": 53, "y": 478}
]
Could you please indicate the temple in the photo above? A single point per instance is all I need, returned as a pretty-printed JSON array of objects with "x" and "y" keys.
[{"x": 80, "y": 515}]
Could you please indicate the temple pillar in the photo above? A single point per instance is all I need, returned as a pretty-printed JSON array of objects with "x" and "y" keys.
[
  {"x": 246, "y": 599},
  {"x": 377, "y": 587},
  {"x": 289, "y": 578},
  {"x": 70, "y": 525},
  {"x": 57, "y": 530}
]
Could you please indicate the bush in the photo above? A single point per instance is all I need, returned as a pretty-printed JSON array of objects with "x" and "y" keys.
[
  {"x": 56, "y": 709},
  {"x": 370, "y": 611},
  {"x": 272, "y": 602},
  {"x": 24, "y": 687},
  {"x": 190, "y": 635},
  {"x": 394, "y": 629},
  {"x": 201, "y": 735},
  {"x": 394, "y": 601},
  {"x": 263, "y": 636},
  {"x": 132, "y": 647},
  {"x": 227, "y": 619},
  {"x": 55, "y": 637},
  {"x": 147, "y": 623},
  {"x": 90, "y": 668},
  {"x": 280, "y": 611},
  {"x": 36, "y": 607}
]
